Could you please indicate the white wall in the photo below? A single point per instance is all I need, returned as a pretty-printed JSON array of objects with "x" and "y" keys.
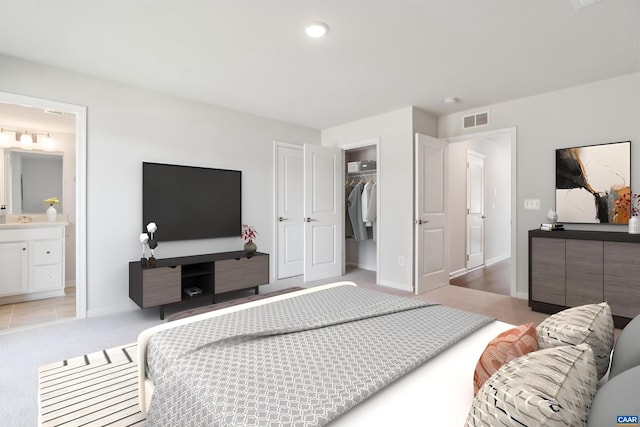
[
  {"x": 128, "y": 125},
  {"x": 395, "y": 185},
  {"x": 497, "y": 199},
  {"x": 600, "y": 112}
]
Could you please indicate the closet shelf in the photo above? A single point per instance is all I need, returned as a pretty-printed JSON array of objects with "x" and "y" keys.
[{"x": 369, "y": 172}]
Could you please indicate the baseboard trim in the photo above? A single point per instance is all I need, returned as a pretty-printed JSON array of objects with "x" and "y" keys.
[
  {"x": 457, "y": 273},
  {"x": 487, "y": 263},
  {"x": 394, "y": 285},
  {"x": 361, "y": 266},
  {"x": 497, "y": 259}
]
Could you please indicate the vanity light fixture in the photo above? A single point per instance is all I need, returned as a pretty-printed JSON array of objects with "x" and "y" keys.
[
  {"x": 47, "y": 143},
  {"x": 26, "y": 140},
  {"x": 316, "y": 29},
  {"x": 4, "y": 139}
]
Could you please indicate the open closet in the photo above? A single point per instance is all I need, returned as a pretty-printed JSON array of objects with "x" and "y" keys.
[
  {"x": 361, "y": 207},
  {"x": 310, "y": 236}
]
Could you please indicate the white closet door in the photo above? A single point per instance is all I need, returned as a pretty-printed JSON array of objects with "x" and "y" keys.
[
  {"x": 475, "y": 210},
  {"x": 431, "y": 236},
  {"x": 323, "y": 212},
  {"x": 289, "y": 213}
]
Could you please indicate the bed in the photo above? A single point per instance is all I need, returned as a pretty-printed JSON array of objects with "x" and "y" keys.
[{"x": 436, "y": 389}]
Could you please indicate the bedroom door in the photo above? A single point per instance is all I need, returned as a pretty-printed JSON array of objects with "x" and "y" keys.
[
  {"x": 323, "y": 212},
  {"x": 431, "y": 237},
  {"x": 289, "y": 210},
  {"x": 475, "y": 210}
]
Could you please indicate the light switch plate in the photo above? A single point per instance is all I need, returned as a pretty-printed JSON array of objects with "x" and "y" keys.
[{"x": 532, "y": 204}]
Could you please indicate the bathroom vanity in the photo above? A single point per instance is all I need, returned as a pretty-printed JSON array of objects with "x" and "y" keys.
[{"x": 31, "y": 260}]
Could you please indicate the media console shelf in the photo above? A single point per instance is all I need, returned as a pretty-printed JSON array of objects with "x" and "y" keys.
[
  {"x": 214, "y": 274},
  {"x": 571, "y": 268}
]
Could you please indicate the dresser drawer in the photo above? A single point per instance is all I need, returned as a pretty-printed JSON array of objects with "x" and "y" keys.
[
  {"x": 47, "y": 252},
  {"x": 47, "y": 277},
  {"x": 242, "y": 273},
  {"x": 161, "y": 286}
]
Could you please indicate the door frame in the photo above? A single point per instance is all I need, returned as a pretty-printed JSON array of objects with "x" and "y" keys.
[
  {"x": 80, "y": 113},
  {"x": 373, "y": 141},
  {"x": 512, "y": 134}
]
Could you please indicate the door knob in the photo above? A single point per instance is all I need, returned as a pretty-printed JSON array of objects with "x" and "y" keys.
[
  {"x": 420, "y": 221},
  {"x": 309, "y": 219},
  {"x": 282, "y": 219}
]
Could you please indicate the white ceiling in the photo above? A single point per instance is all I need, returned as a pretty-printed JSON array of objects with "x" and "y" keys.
[{"x": 379, "y": 55}]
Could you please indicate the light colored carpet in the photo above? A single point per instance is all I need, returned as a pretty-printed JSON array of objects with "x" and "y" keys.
[{"x": 97, "y": 389}]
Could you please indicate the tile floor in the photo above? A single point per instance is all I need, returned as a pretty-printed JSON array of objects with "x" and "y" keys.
[{"x": 31, "y": 313}]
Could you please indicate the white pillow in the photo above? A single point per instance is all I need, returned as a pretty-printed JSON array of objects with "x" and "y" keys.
[
  {"x": 591, "y": 324},
  {"x": 552, "y": 387}
]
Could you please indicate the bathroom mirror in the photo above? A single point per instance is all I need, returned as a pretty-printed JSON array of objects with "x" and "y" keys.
[{"x": 30, "y": 178}]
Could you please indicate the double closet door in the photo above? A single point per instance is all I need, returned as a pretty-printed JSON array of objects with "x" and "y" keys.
[{"x": 309, "y": 211}]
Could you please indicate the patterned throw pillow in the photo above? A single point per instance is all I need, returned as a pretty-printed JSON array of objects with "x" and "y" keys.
[
  {"x": 591, "y": 324},
  {"x": 503, "y": 349},
  {"x": 552, "y": 387}
]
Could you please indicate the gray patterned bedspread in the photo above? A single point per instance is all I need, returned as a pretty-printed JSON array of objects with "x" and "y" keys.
[{"x": 302, "y": 361}]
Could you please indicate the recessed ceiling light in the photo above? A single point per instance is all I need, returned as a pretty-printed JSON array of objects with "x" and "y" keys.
[
  {"x": 316, "y": 29},
  {"x": 451, "y": 100}
]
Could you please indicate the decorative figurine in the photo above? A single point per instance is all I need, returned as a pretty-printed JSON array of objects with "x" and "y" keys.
[
  {"x": 151, "y": 229},
  {"x": 144, "y": 238}
]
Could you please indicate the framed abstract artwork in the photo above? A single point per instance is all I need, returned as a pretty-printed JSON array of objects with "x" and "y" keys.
[{"x": 593, "y": 182}]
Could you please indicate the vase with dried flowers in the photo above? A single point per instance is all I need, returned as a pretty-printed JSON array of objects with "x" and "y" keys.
[
  {"x": 248, "y": 234},
  {"x": 632, "y": 202},
  {"x": 634, "y": 221},
  {"x": 52, "y": 213}
]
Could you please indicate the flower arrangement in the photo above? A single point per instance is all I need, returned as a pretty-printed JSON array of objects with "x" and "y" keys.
[
  {"x": 631, "y": 201},
  {"x": 248, "y": 233},
  {"x": 52, "y": 201}
]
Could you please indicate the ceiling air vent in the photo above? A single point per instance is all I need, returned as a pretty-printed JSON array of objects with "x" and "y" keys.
[
  {"x": 56, "y": 112},
  {"x": 474, "y": 120}
]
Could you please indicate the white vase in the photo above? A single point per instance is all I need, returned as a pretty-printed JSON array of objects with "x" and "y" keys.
[
  {"x": 634, "y": 225},
  {"x": 52, "y": 213}
]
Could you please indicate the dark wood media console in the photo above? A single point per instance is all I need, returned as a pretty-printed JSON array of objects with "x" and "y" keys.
[
  {"x": 214, "y": 274},
  {"x": 571, "y": 268}
]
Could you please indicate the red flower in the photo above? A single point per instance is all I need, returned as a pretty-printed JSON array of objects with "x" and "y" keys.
[{"x": 248, "y": 233}]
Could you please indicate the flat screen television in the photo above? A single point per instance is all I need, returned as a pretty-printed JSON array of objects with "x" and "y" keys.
[{"x": 188, "y": 202}]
